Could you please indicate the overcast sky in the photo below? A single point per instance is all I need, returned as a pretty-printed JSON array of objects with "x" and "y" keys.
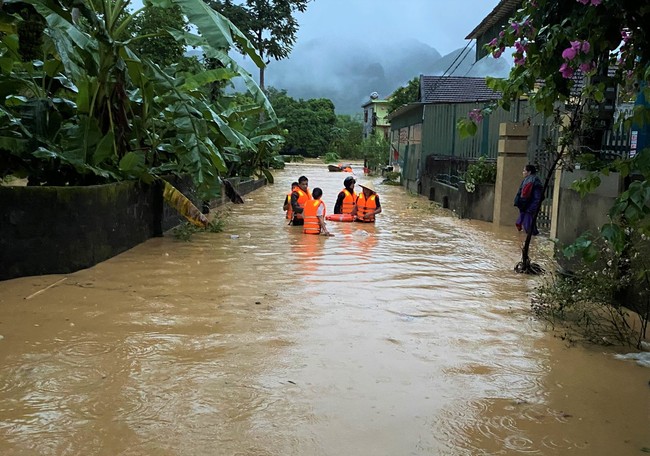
[
  {"x": 442, "y": 24},
  {"x": 347, "y": 49}
]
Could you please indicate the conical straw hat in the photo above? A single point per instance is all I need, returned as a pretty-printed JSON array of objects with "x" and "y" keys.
[{"x": 369, "y": 186}]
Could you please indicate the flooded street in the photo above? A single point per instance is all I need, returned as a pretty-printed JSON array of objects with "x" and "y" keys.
[{"x": 412, "y": 336}]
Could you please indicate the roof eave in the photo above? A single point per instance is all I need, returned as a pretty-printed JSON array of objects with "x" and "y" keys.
[
  {"x": 503, "y": 10},
  {"x": 403, "y": 110}
]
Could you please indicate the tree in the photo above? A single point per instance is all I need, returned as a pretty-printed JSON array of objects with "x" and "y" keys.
[
  {"x": 91, "y": 110},
  {"x": 268, "y": 24},
  {"x": 309, "y": 124},
  {"x": 567, "y": 53},
  {"x": 410, "y": 93},
  {"x": 347, "y": 136},
  {"x": 153, "y": 41}
]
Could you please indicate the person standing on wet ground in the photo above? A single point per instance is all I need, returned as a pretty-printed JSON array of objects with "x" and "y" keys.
[
  {"x": 298, "y": 199},
  {"x": 287, "y": 202},
  {"x": 367, "y": 205},
  {"x": 314, "y": 215},
  {"x": 346, "y": 198},
  {"x": 528, "y": 199}
]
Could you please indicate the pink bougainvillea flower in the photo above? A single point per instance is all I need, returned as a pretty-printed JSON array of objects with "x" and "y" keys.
[
  {"x": 475, "y": 115},
  {"x": 520, "y": 47},
  {"x": 567, "y": 71},
  {"x": 575, "y": 44},
  {"x": 517, "y": 28},
  {"x": 519, "y": 59},
  {"x": 493, "y": 42},
  {"x": 585, "y": 46},
  {"x": 596, "y": 2},
  {"x": 569, "y": 53},
  {"x": 586, "y": 67},
  {"x": 502, "y": 34},
  {"x": 497, "y": 53}
]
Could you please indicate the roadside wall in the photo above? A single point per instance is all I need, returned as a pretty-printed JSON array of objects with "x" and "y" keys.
[
  {"x": 477, "y": 205},
  {"x": 58, "y": 230},
  {"x": 576, "y": 215}
]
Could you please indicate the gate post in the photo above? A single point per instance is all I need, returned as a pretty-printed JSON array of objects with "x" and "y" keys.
[{"x": 513, "y": 156}]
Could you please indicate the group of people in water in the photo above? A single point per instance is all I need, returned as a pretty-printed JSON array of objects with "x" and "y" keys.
[{"x": 305, "y": 208}]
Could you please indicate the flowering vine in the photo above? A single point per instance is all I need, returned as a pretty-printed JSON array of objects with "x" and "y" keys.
[
  {"x": 578, "y": 47},
  {"x": 553, "y": 40}
]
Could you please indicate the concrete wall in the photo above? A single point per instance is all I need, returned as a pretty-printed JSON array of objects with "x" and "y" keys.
[
  {"x": 57, "y": 230},
  {"x": 576, "y": 215},
  {"x": 477, "y": 205}
]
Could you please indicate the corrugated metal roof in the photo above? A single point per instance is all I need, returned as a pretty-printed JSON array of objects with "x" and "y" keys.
[
  {"x": 455, "y": 89},
  {"x": 403, "y": 109},
  {"x": 499, "y": 14}
]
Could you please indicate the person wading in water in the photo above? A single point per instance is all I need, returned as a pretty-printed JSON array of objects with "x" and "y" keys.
[{"x": 299, "y": 197}]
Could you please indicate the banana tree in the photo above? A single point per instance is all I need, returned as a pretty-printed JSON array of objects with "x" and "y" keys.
[{"x": 112, "y": 114}]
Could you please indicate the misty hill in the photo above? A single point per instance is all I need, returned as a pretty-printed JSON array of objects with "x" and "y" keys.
[
  {"x": 461, "y": 63},
  {"x": 348, "y": 72}
]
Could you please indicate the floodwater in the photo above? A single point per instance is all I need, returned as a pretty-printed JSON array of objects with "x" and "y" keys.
[{"x": 412, "y": 336}]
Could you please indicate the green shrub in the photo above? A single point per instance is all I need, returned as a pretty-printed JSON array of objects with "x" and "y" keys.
[
  {"x": 392, "y": 178},
  {"x": 480, "y": 172},
  {"x": 332, "y": 157},
  {"x": 184, "y": 231}
]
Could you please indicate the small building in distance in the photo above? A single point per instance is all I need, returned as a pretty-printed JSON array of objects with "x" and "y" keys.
[{"x": 375, "y": 117}]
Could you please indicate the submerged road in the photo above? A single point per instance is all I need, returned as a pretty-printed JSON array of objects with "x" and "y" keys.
[{"x": 412, "y": 336}]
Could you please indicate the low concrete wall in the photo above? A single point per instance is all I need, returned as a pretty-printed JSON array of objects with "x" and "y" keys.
[
  {"x": 477, "y": 205},
  {"x": 57, "y": 230},
  {"x": 576, "y": 215}
]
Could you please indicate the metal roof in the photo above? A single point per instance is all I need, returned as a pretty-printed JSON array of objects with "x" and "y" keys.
[
  {"x": 455, "y": 89},
  {"x": 499, "y": 14},
  {"x": 403, "y": 109}
]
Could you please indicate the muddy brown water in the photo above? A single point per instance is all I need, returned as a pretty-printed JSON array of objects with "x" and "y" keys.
[{"x": 408, "y": 337}]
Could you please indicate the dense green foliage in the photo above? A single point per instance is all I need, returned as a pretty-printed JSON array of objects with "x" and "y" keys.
[
  {"x": 153, "y": 40},
  {"x": 410, "y": 93},
  {"x": 347, "y": 136},
  {"x": 92, "y": 109},
  {"x": 480, "y": 172},
  {"x": 310, "y": 125},
  {"x": 312, "y": 129},
  {"x": 374, "y": 151}
]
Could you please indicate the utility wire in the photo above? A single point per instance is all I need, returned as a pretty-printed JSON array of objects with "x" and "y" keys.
[{"x": 444, "y": 74}]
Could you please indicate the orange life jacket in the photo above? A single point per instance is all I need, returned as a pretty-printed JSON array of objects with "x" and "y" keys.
[
  {"x": 366, "y": 206},
  {"x": 288, "y": 201},
  {"x": 311, "y": 225},
  {"x": 348, "y": 201},
  {"x": 303, "y": 197}
]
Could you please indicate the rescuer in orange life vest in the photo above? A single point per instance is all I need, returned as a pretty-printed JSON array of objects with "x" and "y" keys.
[
  {"x": 298, "y": 199},
  {"x": 287, "y": 201},
  {"x": 314, "y": 214},
  {"x": 367, "y": 205},
  {"x": 347, "y": 197}
]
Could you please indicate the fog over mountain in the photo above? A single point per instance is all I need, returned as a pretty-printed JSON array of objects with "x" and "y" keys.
[{"x": 347, "y": 72}]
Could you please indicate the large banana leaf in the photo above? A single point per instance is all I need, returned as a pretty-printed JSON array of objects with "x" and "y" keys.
[
  {"x": 210, "y": 51},
  {"x": 184, "y": 206},
  {"x": 218, "y": 31}
]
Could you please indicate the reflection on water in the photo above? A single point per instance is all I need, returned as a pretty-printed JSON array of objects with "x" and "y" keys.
[{"x": 411, "y": 336}]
